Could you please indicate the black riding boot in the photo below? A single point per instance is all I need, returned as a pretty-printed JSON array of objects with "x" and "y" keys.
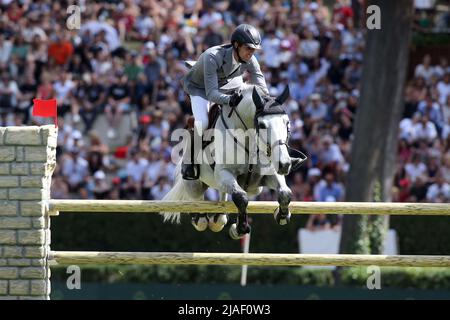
[{"x": 189, "y": 169}]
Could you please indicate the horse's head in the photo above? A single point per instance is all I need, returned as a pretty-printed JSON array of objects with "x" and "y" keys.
[{"x": 272, "y": 120}]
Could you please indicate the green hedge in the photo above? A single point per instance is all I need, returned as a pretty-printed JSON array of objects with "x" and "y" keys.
[
  {"x": 146, "y": 232},
  {"x": 419, "y": 278},
  {"x": 427, "y": 39},
  {"x": 425, "y": 235}
]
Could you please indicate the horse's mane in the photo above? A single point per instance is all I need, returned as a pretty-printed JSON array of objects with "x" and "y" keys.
[{"x": 247, "y": 91}]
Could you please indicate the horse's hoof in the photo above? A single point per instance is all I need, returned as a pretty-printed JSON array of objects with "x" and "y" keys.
[
  {"x": 200, "y": 222},
  {"x": 243, "y": 229},
  {"x": 217, "y": 222},
  {"x": 234, "y": 234},
  {"x": 280, "y": 218},
  {"x": 247, "y": 229}
]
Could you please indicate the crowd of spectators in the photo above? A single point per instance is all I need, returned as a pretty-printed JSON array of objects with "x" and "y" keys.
[{"x": 127, "y": 59}]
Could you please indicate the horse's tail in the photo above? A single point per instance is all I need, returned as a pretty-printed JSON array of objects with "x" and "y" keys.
[{"x": 177, "y": 193}]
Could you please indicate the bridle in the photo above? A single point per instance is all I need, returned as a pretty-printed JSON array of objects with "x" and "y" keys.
[{"x": 271, "y": 106}]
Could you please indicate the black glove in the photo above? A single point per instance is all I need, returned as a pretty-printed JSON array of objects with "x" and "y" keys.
[{"x": 235, "y": 99}]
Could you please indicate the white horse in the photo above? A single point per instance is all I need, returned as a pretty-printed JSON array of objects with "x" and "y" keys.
[{"x": 243, "y": 179}]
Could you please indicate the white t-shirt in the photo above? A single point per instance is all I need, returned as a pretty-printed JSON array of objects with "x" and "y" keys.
[
  {"x": 309, "y": 48},
  {"x": 434, "y": 191},
  {"x": 5, "y": 51},
  {"x": 62, "y": 90},
  {"x": 158, "y": 192},
  {"x": 413, "y": 171},
  {"x": 271, "y": 49},
  {"x": 426, "y": 73},
  {"x": 407, "y": 129},
  {"x": 136, "y": 170},
  {"x": 445, "y": 131},
  {"x": 153, "y": 170},
  {"x": 158, "y": 130},
  {"x": 317, "y": 112},
  {"x": 424, "y": 4},
  {"x": 75, "y": 172},
  {"x": 144, "y": 25},
  {"x": 427, "y": 132},
  {"x": 208, "y": 19},
  {"x": 444, "y": 91},
  {"x": 332, "y": 154}
]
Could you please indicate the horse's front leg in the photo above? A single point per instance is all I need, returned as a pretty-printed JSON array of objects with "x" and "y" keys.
[
  {"x": 277, "y": 182},
  {"x": 228, "y": 183},
  {"x": 216, "y": 221}
]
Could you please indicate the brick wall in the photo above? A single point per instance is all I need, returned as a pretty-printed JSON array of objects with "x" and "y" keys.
[{"x": 27, "y": 161}]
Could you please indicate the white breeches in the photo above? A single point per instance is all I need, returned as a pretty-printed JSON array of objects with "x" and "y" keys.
[{"x": 200, "y": 109}]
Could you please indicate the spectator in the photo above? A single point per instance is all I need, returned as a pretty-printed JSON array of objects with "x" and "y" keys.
[
  {"x": 415, "y": 168},
  {"x": 93, "y": 95},
  {"x": 309, "y": 47},
  {"x": 118, "y": 103},
  {"x": 439, "y": 191},
  {"x": 424, "y": 130},
  {"x": 425, "y": 69},
  {"x": 59, "y": 188},
  {"x": 329, "y": 154},
  {"x": 270, "y": 48},
  {"x": 432, "y": 110},
  {"x": 101, "y": 188},
  {"x": 318, "y": 222},
  {"x": 135, "y": 171},
  {"x": 160, "y": 189},
  {"x": 418, "y": 190},
  {"x": 443, "y": 87},
  {"x": 317, "y": 110},
  {"x": 63, "y": 88},
  {"x": 9, "y": 93},
  {"x": 331, "y": 190},
  {"x": 60, "y": 49},
  {"x": 75, "y": 172},
  {"x": 5, "y": 50}
]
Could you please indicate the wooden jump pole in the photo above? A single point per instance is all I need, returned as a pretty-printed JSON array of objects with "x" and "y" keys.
[
  {"x": 257, "y": 259},
  {"x": 262, "y": 207}
]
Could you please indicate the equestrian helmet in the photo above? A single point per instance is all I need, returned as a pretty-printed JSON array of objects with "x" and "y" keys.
[{"x": 247, "y": 34}]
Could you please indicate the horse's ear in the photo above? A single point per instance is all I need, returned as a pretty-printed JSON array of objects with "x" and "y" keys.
[
  {"x": 257, "y": 99},
  {"x": 283, "y": 96}
]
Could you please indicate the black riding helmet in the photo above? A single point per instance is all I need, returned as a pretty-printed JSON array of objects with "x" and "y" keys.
[{"x": 247, "y": 34}]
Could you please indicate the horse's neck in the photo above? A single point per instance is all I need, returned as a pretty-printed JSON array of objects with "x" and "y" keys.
[{"x": 246, "y": 110}]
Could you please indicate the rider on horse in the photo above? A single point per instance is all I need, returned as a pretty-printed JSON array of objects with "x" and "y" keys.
[{"x": 214, "y": 68}]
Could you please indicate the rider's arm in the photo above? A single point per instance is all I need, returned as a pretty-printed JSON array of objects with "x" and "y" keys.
[
  {"x": 257, "y": 77},
  {"x": 212, "y": 83}
]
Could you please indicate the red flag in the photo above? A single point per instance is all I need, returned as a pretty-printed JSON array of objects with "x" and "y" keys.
[{"x": 46, "y": 108}]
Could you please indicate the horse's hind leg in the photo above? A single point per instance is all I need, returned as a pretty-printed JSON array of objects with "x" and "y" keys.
[
  {"x": 216, "y": 221},
  {"x": 229, "y": 185}
]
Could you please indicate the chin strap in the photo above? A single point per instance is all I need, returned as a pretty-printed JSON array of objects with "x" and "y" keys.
[{"x": 237, "y": 53}]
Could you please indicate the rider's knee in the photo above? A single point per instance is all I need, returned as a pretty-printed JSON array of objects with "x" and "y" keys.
[{"x": 201, "y": 125}]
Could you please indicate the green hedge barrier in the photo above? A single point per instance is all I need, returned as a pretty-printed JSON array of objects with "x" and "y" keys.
[
  {"x": 419, "y": 278},
  {"x": 146, "y": 232}
]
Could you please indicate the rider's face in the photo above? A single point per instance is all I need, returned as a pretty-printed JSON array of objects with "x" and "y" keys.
[{"x": 245, "y": 52}]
